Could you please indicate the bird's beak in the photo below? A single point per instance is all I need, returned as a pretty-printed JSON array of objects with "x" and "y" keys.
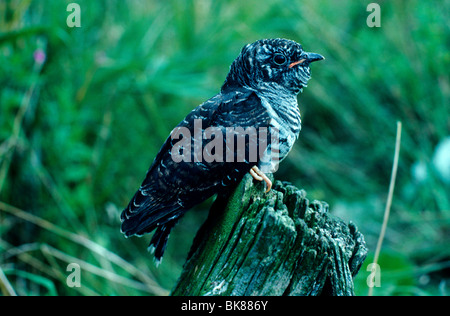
[{"x": 308, "y": 58}]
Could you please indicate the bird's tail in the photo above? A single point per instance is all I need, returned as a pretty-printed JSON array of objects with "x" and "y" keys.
[
  {"x": 159, "y": 240},
  {"x": 144, "y": 215}
]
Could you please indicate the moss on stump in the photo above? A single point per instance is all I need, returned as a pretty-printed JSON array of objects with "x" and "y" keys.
[{"x": 277, "y": 243}]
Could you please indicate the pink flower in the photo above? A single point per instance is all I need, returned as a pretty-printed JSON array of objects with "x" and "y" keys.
[{"x": 39, "y": 56}]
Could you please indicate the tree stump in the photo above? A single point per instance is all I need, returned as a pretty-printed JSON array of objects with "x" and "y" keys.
[{"x": 277, "y": 243}]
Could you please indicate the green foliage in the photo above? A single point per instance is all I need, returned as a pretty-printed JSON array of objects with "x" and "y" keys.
[{"x": 79, "y": 129}]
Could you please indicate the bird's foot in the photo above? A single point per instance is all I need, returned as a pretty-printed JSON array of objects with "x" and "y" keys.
[{"x": 260, "y": 176}]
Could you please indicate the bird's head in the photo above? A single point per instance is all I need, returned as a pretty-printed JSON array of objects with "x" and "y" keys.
[{"x": 271, "y": 62}]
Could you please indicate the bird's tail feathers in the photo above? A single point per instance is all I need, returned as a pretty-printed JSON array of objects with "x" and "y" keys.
[
  {"x": 163, "y": 219},
  {"x": 159, "y": 240}
]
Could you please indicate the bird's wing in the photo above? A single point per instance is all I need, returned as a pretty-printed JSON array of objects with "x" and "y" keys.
[{"x": 171, "y": 188}]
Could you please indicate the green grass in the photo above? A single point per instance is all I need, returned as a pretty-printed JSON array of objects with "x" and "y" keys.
[{"x": 78, "y": 132}]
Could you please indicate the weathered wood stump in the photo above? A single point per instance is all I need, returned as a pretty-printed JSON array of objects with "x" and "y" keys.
[{"x": 277, "y": 243}]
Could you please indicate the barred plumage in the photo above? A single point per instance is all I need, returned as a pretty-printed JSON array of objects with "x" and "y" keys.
[{"x": 257, "y": 102}]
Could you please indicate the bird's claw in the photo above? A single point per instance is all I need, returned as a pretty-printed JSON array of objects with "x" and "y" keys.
[{"x": 260, "y": 176}]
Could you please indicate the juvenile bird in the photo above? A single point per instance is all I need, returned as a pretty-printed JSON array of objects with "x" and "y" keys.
[{"x": 250, "y": 126}]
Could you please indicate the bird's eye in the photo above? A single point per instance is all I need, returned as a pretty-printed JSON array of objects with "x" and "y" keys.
[{"x": 279, "y": 59}]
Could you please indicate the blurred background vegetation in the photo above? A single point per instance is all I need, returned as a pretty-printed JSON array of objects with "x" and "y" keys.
[{"x": 85, "y": 110}]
